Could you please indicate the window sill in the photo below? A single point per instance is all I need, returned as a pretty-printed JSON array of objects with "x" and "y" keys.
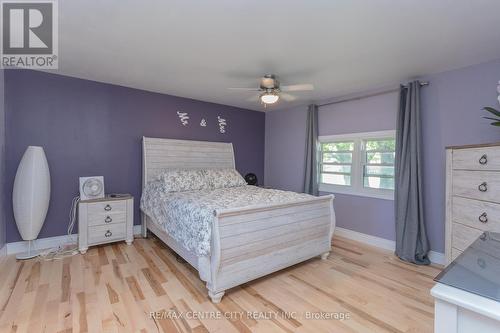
[{"x": 378, "y": 194}]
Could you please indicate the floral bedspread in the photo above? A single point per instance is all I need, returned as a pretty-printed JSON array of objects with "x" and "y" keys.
[{"x": 188, "y": 216}]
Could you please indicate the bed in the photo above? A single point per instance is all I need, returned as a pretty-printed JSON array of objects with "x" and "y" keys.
[{"x": 246, "y": 241}]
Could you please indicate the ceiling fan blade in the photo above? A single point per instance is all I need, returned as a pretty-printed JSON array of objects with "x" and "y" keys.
[
  {"x": 254, "y": 98},
  {"x": 245, "y": 89},
  {"x": 287, "y": 97},
  {"x": 298, "y": 87}
]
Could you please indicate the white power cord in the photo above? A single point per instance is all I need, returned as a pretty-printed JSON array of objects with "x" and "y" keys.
[{"x": 69, "y": 249}]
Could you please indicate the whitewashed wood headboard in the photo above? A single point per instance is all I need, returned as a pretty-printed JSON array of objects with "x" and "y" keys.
[{"x": 159, "y": 154}]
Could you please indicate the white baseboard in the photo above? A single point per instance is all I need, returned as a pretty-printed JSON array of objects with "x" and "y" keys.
[
  {"x": 3, "y": 251},
  {"x": 50, "y": 242},
  {"x": 437, "y": 257},
  {"x": 387, "y": 244},
  {"x": 365, "y": 238}
]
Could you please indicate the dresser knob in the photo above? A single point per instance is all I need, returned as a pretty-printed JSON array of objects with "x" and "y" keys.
[
  {"x": 483, "y": 160},
  {"x": 483, "y": 218},
  {"x": 108, "y": 219},
  {"x": 483, "y": 187},
  {"x": 107, "y": 208},
  {"x": 108, "y": 234}
]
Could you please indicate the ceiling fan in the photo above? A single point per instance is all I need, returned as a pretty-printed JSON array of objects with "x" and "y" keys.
[{"x": 270, "y": 90}]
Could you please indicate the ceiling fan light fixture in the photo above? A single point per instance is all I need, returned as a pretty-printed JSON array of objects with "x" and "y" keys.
[{"x": 269, "y": 98}]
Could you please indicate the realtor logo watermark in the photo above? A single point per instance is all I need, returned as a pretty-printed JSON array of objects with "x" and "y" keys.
[{"x": 29, "y": 34}]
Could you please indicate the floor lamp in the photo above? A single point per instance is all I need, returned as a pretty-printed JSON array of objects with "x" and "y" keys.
[{"x": 31, "y": 196}]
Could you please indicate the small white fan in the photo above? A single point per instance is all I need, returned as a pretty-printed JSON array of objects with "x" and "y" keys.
[{"x": 91, "y": 188}]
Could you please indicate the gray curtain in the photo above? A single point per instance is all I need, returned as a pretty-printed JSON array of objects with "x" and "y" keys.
[
  {"x": 411, "y": 239},
  {"x": 311, "y": 172}
]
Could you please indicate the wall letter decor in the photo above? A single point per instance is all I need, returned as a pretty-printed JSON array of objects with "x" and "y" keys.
[
  {"x": 203, "y": 122},
  {"x": 183, "y": 116},
  {"x": 222, "y": 124}
]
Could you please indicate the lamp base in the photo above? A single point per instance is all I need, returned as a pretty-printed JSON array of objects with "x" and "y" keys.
[
  {"x": 32, "y": 253},
  {"x": 28, "y": 255}
]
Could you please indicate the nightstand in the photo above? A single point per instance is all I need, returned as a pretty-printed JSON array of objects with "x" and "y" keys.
[{"x": 105, "y": 220}]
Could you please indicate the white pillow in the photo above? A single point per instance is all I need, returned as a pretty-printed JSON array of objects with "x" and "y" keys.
[
  {"x": 221, "y": 178},
  {"x": 179, "y": 180}
]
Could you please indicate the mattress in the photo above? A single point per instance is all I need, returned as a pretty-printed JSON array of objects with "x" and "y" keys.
[{"x": 188, "y": 216}]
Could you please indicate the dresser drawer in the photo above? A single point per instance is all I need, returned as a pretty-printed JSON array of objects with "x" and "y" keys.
[
  {"x": 107, "y": 218},
  {"x": 487, "y": 158},
  {"x": 462, "y": 236},
  {"x": 106, "y": 233},
  {"x": 482, "y": 185},
  {"x": 107, "y": 207},
  {"x": 477, "y": 214},
  {"x": 455, "y": 253}
]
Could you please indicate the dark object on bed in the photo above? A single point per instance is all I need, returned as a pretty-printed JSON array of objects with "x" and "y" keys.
[{"x": 251, "y": 179}]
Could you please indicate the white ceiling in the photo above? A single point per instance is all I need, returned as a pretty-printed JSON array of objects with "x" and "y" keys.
[{"x": 197, "y": 49}]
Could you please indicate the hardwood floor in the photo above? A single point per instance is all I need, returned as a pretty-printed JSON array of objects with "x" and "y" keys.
[{"x": 116, "y": 288}]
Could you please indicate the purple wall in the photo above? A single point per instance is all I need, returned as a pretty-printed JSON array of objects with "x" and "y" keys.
[
  {"x": 2, "y": 162},
  {"x": 89, "y": 128},
  {"x": 285, "y": 149},
  {"x": 451, "y": 115}
]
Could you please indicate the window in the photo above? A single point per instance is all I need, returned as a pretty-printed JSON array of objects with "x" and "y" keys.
[
  {"x": 358, "y": 164},
  {"x": 378, "y": 167},
  {"x": 336, "y": 162}
]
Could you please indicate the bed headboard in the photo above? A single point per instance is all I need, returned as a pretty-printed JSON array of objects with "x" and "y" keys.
[{"x": 159, "y": 154}]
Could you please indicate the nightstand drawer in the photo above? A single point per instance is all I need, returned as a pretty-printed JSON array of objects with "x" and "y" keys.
[
  {"x": 108, "y": 207},
  {"x": 105, "y": 219},
  {"x": 107, "y": 233}
]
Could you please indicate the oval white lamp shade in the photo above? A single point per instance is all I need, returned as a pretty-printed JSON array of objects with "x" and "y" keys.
[{"x": 31, "y": 194}]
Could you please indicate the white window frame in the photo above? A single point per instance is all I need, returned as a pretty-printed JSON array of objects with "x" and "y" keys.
[{"x": 356, "y": 188}]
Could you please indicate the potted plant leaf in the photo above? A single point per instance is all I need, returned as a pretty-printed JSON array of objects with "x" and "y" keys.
[
  {"x": 496, "y": 113},
  {"x": 493, "y": 111}
]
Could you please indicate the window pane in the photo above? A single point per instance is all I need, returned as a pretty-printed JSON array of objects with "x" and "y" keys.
[
  {"x": 380, "y": 158},
  {"x": 382, "y": 144},
  {"x": 337, "y": 158},
  {"x": 379, "y": 170},
  {"x": 379, "y": 183},
  {"x": 338, "y": 146},
  {"x": 335, "y": 179},
  {"x": 336, "y": 168}
]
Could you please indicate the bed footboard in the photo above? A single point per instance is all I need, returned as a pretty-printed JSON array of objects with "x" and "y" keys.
[{"x": 255, "y": 241}]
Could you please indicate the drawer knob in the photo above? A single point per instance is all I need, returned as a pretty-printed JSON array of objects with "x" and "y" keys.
[
  {"x": 483, "y": 218},
  {"x": 108, "y": 219},
  {"x": 107, "y": 208},
  {"x": 483, "y": 187},
  {"x": 483, "y": 160},
  {"x": 108, "y": 234}
]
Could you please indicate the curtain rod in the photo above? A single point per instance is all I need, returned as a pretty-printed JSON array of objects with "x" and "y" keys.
[{"x": 348, "y": 99}]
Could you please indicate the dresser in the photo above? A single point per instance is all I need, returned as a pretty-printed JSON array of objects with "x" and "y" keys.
[
  {"x": 106, "y": 220},
  {"x": 467, "y": 292},
  {"x": 472, "y": 195}
]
